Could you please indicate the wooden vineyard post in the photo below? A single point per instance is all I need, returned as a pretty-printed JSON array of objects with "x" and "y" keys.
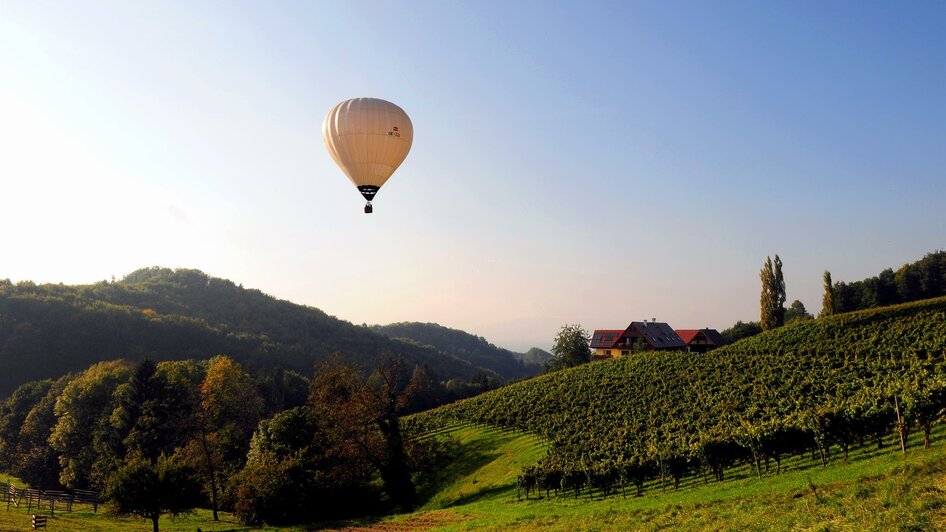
[{"x": 901, "y": 426}]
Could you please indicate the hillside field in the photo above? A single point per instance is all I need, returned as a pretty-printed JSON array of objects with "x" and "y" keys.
[
  {"x": 874, "y": 490},
  {"x": 806, "y": 419},
  {"x": 822, "y": 385}
]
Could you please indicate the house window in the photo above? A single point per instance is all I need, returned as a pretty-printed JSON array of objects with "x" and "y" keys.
[
  {"x": 623, "y": 353},
  {"x": 607, "y": 352}
]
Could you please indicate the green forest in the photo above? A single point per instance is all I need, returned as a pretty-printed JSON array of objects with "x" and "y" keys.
[
  {"x": 923, "y": 279},
  {"x": 49, "y": 330},
  {"x": 167, "y": 437}
]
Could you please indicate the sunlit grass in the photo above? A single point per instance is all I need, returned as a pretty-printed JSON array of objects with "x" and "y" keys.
[
  {"x": 84, "y": 518},
  {"x": 875, "y": 489},
  {"x": 19, "y": 519}
]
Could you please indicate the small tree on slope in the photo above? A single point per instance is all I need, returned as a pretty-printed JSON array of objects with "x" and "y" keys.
[
  {"x": 148, "y": 490},
  {"x": 572, "y": 347}
]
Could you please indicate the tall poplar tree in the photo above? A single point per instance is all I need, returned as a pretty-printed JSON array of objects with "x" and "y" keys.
[
  {"x": 827, "y": 301},
  {"x": 780, "y": 298},
  {"x": 772, "y": 300}
]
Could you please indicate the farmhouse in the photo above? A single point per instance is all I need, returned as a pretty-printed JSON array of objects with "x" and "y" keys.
[
  {"x": 652, "y": 336},
  {"x": 638, "y": 336},
  {"x": 700, "y": 340}
]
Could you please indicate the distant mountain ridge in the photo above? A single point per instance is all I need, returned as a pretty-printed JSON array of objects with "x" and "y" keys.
[
  {"x": 535, "y": 356},
  {"x": 474, "y": 349},
  {"x": 52, "y": 329}
]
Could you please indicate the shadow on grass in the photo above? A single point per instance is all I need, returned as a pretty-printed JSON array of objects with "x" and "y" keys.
[
  {"x": 465, "y": 459},
  {"x": 475, "y": 496},
  {"x": 341, "y": 524}
]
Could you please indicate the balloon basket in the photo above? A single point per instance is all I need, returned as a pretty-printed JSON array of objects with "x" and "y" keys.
[{"x": 368, "y": 208}]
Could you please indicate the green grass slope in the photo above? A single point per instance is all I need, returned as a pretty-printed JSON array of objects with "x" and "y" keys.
[{"x": 875, "y": 489}]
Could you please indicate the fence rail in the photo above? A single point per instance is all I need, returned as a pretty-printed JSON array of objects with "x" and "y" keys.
[{"x": 52, "y": 499}]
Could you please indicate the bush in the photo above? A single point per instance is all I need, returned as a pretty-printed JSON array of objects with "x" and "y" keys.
[{"x": 275, "y": 491}]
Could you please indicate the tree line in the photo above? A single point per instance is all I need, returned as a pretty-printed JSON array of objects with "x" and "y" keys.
[
  {"x": 923, "y": 279},
  {"x": 277, "y": 447}
]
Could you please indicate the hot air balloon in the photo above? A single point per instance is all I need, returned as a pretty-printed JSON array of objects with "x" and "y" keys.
[{"x": 368, "y": 138}]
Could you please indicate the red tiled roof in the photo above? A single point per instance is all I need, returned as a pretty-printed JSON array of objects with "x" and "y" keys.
[
  {"x": 687, "y": 335},
  {"x": 613, "y": 334}
]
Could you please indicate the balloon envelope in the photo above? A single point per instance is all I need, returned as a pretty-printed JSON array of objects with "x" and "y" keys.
[{"x": 368, "y": 138}]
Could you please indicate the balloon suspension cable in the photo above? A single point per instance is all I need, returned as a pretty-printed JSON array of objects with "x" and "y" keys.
[{"x": 368, "y": 208}]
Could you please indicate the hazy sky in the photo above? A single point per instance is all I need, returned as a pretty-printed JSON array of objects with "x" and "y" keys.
[{"x": 573, "y": 162}]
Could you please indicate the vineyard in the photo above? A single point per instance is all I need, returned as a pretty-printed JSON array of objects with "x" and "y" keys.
[{"x": 817, "y": 388}]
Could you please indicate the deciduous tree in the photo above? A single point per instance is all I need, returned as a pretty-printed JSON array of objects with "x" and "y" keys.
[
  {"x": 13, "y": 413},
  {"x": 796, "y": 312},
  {"x": 36, "y": 463},
  {"x": 230, "y": 409},
  {"x": 572, "y": 347},
  {"x": 364, "y": 414},
  {"x": 148, "y": 489},
  {"x": 83, "y": 423}
]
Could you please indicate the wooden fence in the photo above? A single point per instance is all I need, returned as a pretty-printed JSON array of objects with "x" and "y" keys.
[{"x": 51, "y": 499}]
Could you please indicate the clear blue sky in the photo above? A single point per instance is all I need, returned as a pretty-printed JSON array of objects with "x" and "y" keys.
[{"x": 579, "y": 162}]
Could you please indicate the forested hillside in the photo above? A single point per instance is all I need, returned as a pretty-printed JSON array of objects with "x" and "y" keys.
[
  {"x": 463, "y": 345},
  {"x": 52, "y": 329},
  {"x": 818, "y": 385},
  {"x": 535, "y": 356}
]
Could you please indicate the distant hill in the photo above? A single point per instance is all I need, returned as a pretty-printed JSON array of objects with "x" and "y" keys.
[
  {"x": 465, "y": 346},
  {"x": 52, "y": 329},
  {"x": 535, "y": 357}
]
